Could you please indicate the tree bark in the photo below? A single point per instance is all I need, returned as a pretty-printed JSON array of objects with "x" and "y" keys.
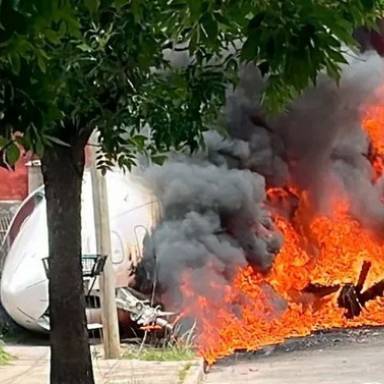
[{"x": 70, "y": 354}]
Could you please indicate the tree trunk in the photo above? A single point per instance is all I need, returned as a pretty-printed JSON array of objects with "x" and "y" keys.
[{"x": 70, "y": 354}]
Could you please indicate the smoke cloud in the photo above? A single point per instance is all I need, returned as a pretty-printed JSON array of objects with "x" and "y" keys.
[
  {"x": 212, "y": 215},
  {"x": 318, "y": 144},
  {"x": 214, "y": 211}
]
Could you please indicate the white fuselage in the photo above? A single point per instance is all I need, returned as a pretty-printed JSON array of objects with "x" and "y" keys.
[{"x": 24, "y": 284}]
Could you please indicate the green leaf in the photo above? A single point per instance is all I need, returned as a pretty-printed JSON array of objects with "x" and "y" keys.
[
  {"x": 194, "y": 40},
  {"x": 368, "y": 4},
  {"x": 15, "y": 63},
  {"x": 41, "y": 61},
  {"x": 337, "y": 57},
  {"x": 15, "y": 4},
  {"x": 92, "y": 5},
  {"x": 136, "y": 10},
  {"x": 52, "y": 36},
  {"x": 255, "y": 23},
  {"x": 3, "y": 142},
  {"x": 250, "y": 50},
  {"x": 195, "y": 8},
  {"x": 56, "y": 140},
  {"x": 120, "y": 3},
  {"x": 139, "y": 141},
  {"x": 209, "y": 27},
  {"x": 12, "y": 154},
  {"x": 39, "y": 148},
  {"x": 84, "y": 47},
  {"x": 158, "y": 159}
]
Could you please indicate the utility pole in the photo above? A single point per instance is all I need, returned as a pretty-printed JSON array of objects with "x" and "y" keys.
[{"x": 111, "y": 335}]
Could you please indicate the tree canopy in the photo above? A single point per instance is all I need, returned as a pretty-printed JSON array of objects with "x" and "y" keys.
[{"x": 68, "y": 66}]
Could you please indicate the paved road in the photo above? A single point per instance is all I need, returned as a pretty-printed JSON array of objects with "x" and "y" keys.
[{"x": 344, "y": 363}]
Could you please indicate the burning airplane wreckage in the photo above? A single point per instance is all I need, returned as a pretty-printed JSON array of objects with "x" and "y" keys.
[{"x": 274, "y": 231}]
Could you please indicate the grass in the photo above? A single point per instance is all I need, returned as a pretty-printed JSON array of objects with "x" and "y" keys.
[
  {"x": 183, "y": 372},
  {"x": 165, "y": 353},
  {"x": 168, "y": 353},
  {"x": 176, "y": 346},
  {"x": 4, "y": 356}
]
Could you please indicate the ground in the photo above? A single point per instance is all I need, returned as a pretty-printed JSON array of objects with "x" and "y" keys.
[
  {"x": 336, "y": 357},
  {"x": 29, "y": 364},
  {"x": 347, "y": 357}
]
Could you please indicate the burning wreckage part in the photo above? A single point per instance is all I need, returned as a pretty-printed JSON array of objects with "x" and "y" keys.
[
  {"x": 142, "y": 312},
  {"x": 328, "y": 274},
  {"x": 299, "y": 295},
  {"x": 140, "y": 309}
]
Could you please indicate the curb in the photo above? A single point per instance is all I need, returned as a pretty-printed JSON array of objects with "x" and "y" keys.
[{"x": 196, "y": 373}]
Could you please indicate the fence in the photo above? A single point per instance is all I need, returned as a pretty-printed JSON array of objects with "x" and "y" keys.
[
  {"x": 4, "y": 224},
  {"x": 5, "y": 220}
]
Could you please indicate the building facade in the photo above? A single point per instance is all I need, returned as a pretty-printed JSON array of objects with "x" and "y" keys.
[{"x": 14, "y": 184}]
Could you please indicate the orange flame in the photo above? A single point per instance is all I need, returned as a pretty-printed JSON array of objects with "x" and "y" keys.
[
  {"x": 373, "y": 123},
  {"x": 257, "y": 309},
  {"x": 338, "y": 248}
]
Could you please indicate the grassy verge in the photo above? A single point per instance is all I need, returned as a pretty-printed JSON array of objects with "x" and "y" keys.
[{"x": 171, "y": 353}]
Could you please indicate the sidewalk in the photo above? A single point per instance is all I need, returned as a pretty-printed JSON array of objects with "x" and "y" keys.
[{"x": 30, "y": 365}]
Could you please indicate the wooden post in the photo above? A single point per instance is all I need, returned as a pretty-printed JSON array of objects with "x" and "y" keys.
[{"x": 103, "y": 242}]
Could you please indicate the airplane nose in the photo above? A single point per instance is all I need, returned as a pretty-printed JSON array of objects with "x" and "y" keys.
[
  {"x": 25, "y": 304},
  {"x": 24, "y": 293}
]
